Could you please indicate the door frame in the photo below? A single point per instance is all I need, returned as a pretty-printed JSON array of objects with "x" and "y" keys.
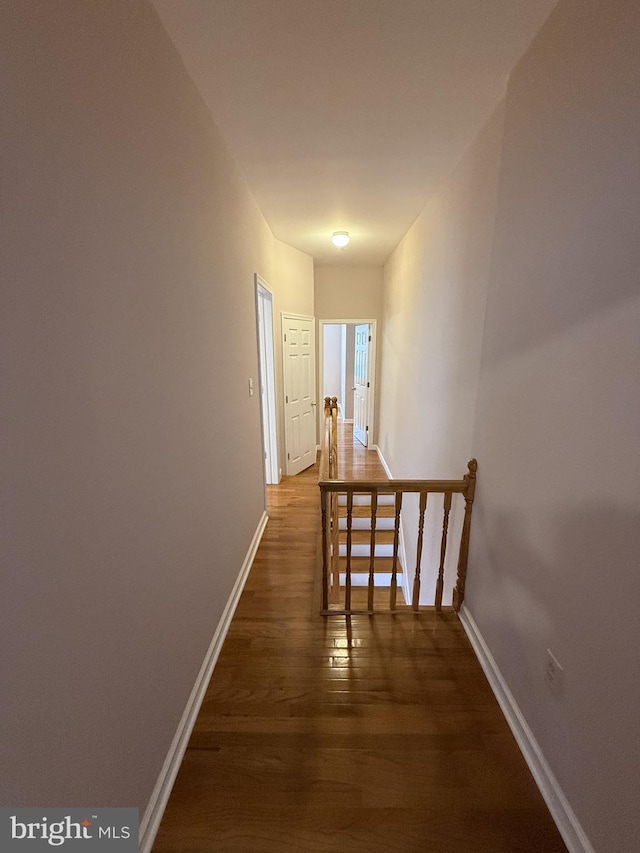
[
  {"x": 371, "y": 370},
  {"x": 267, "y": 383},
  {"x": 314, "y": 404}
]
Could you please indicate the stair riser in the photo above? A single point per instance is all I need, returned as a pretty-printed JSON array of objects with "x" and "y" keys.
[
  {"x": 365, "y": 524},
  {"x": 365, "y": 551},
  {"x": 362, "y": 579}
]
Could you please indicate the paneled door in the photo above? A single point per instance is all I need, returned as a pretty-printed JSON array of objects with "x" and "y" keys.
[
  {"x": 298, "y": 349},
  {"x": 361, "y": 383}
]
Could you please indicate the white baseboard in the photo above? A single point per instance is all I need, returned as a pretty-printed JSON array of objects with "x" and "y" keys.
[
  {"x": 383, "y": 461},
  {"x": 348, "y": 420},
  {"x": 360, "y": 579},
  {"x": 159, "y": 798},
  {"x": 568, "y": 825}
]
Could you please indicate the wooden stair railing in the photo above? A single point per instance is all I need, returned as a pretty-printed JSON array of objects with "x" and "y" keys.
[
  {"x": 370, "y": 493},
  {"x": 329, "y": 502}
]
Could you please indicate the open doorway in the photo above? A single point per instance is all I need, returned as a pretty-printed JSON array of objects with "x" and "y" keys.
[
  {"x": 264, "y": 318},
  {"x": 347, "y": 371}
]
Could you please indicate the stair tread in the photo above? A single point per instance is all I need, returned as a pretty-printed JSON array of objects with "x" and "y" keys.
[
  {"x": 361, "y": 564},
  {"x": 383, "y": 511},
  {"x": 365, "y": 500},
  {"x": 382, "y": 523},
  {"x": 363, "y": 537}
]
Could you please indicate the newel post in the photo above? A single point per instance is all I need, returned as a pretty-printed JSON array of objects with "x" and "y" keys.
[{"x": 469, "y": 494}]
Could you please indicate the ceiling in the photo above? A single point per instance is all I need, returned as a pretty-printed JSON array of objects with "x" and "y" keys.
[{"x": 347, "y": 114}]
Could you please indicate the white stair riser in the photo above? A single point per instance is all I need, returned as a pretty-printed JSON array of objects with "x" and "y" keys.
[
  {"x": 365, "y": 523},
  {"x": 379, "y": 579},
  {"x": 381, "y": 550}
]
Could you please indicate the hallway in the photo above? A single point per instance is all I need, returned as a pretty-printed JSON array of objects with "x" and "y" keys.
[{"x": 361, "y": 735}]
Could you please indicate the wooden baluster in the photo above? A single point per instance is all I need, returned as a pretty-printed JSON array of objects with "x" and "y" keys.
[
  {"x": 327, "y": 405},
  {"x": 396, "y": 540},
  {"x": 443, "y": 550},
  {"x": 324, "y": 503},
  {"x": 334, "y": 439},
  {"x": 469, "y": 494},
  {"x": 416, "y": 580},
  {"x": 347, "y": 579},
  {"x": 374, "y": 510},
  {"x": 335, "y": 546}
]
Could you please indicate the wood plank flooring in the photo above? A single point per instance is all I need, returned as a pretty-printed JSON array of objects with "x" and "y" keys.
[{"x": 338, "y": 735}]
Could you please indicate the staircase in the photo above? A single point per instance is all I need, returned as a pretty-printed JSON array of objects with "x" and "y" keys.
[
  {"x": 361, "y": 557},
  {"x": 361, "y": 540}
]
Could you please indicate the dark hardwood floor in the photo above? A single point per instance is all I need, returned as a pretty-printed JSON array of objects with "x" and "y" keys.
[{"x": 338, "y": 735}]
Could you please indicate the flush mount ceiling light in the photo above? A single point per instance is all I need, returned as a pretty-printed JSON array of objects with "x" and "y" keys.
[{"x": 340, "y": 239}]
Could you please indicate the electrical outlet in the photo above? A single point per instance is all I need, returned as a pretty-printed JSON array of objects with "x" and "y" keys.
[
  {"x": 251, "y": 387},
  {"x": 553, "y": 672}
]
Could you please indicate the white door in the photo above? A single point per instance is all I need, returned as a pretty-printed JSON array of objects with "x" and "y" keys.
[
  {"x": 298, "y": 348},
  {"x": 361, "y": 383}
]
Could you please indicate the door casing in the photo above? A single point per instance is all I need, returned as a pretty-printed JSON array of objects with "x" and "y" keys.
[
  {"x": 267, "y": 383},
  {"x": 373, "y": 325}
]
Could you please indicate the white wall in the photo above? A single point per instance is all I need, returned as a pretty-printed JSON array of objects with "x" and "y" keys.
[
  {"x": 555, "y": 535},
  {"x": 133, "y": 473},
  {"x": 349, "y": 368},
  {"x": 338, "y": 365},
  {"x": 333, "y": 368}
]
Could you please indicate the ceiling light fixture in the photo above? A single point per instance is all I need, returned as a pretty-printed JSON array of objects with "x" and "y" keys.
[{"x": 340, "y": 239}]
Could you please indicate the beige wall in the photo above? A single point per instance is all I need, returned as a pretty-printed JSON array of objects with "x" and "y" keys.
[
  {"x": 435, "y": 290},
  {"x": 550, "y": 249},
  {"x": 292, "y": 287},
  {"x": 133, "y": 475},
  {"x": 295, "y": 279},
  {"x": 555, "y": 545},
  {"x": 351, "y": 293},
  {"x": 348, "y": 292}
]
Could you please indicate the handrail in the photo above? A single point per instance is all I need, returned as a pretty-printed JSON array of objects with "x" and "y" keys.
[
  {"x": 390, "y": 486},
  {"x": 332, "y": 488}
]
